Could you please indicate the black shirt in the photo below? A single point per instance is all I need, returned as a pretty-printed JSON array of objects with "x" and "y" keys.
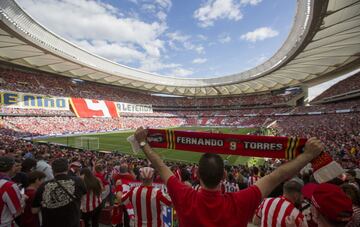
[{"x": 58, "y": 208}]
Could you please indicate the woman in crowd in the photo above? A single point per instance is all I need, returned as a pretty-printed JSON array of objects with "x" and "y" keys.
[{"x": 91, "y": 202}]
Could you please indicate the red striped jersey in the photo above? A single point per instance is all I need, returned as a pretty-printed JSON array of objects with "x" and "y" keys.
[
  {"x": 10, "y": 202},
  {"x": 273, "y": 213},
  {"x": 90, "y": 201},
  {"x": 147, "y": 202},
  {"x": 253, "y": 180}
]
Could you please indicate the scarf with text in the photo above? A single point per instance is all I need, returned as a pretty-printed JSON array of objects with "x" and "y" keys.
[{"x": 288, "y": 148}]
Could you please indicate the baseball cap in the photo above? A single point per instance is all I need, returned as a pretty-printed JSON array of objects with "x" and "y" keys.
[
  {"x": 308, "y": 190},
  {"x": 146, "y": 173},
  {"x": 332, "y": 203},
  {"x": 6, "y": 163}
]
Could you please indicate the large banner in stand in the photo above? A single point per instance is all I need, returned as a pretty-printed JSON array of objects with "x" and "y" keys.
[
  {"x": 124, "y": 107},
  {"x": 87, "y": 108},
  {"x": 13, "y": 99}
]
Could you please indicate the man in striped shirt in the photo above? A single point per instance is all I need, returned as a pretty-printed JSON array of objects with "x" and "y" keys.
[
  {"x": 147, "y": 201},
  {"x": 277, "y": 212},
  {"x": 10, "y": 197}
]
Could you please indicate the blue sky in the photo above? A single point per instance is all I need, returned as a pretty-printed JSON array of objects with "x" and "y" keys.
[{"x": 183, "y": 38}]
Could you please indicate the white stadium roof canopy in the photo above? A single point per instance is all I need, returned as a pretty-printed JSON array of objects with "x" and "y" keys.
[{"x": 324, "y": 39}]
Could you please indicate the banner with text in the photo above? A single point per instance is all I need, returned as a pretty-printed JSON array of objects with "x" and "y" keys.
[
  {"x": 15, "y": 99},
  {"x": 133, "y": 108},
  {"x": 93, "y": 108}
]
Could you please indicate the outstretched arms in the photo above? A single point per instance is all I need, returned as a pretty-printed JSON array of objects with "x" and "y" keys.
[
  {"x": 267, "y": 184},
  {"x": 159, "y": 165}
]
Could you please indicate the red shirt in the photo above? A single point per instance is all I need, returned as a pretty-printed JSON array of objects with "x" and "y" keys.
[
  {"x": 212, "y": 208},
  {"x": 126, "y": 178},
  {"x": 101, "y": 177},
  {"x": 29, "y": 219}
]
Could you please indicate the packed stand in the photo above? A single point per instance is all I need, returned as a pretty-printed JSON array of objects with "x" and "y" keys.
[
  {"x": 61, "y": 125},
  {"x": 72, "y": 187},
  {"x": 345, "y": 86},
  {"x": 41, "y": 83}
]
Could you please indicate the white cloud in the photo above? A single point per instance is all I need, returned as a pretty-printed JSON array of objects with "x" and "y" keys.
[
  {"x": 112, "y": 51},
  {"x": 161, "y": 16},
  {"x": 199, "y": 49},
  {"x": 107, "y": 31},
  {"x": 180, "y": 72},
  {"x": 150, "y": 8},
  {"x": 90, "y": 20},
  {"x": 178, "y": 40},
  {"x": 214, "y": 10},
  {"x": 202, "y": 37},
  {"x": 199, "y": 60},
  {"x": 177, "y": 36},
  {"x": 154, "y": 65},
  {"x": 257, "y": 60},
  {"x": 260, "y": 34},
  {"x": 224, "y": 38},
  {"x": 133, "y": 1},
  {"x": 104, "y": 30},
  {"x": 166, "y": 4},
  {"x": 250, "y": 2}
]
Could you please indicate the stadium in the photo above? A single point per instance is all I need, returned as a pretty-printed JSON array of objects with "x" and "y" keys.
[{"x": 60, "y": 100}]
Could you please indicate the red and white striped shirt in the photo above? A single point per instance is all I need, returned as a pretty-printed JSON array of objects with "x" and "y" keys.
[
  {"x": 90, "y": 201},
  {"x": 147, "y": 202},
  {"x": 10, "y": 203},
  {"x": 253, "y": 180},
  {"x": 273, "y": 213}
]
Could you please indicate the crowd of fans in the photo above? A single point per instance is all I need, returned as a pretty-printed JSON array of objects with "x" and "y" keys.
[
  {"x": 26, "y": 165},
  {"x": 94, "y": 187},
  {"x": 40, "y": 83},
  {"x": 36, "y": 126}
]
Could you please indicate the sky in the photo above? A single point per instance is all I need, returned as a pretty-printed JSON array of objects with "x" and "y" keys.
[{"x": 180, "y": 38}]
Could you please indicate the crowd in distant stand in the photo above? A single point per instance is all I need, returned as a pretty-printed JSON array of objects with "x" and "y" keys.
[
  {"x": 40, "y": 83},
  {"x": 350, "y": 84}
]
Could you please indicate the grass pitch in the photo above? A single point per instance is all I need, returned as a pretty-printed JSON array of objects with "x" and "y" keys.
[{"x": 116, "y": 142}]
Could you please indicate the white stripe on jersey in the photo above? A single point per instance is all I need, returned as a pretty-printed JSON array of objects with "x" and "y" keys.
[
  {"x": 281, "y": 213},
  {"x": 133, "y": 201},
  {"x": 154, "y": 208},
  {"x": 143, "y": 205},
  {"x": 271, "y": 211}
]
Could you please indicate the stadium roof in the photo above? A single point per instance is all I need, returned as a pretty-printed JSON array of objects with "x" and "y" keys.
[{"x": 324, "y": 38}]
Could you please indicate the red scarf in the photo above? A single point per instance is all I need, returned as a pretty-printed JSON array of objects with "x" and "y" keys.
[
  {"x": 232, "y": 144},
  {"x": 324, "y": 167}
]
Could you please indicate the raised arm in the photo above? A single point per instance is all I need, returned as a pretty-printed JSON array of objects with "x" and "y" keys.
[
  {"x": 159, "y": 165},
  {"x": 267, "y": 184}
]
